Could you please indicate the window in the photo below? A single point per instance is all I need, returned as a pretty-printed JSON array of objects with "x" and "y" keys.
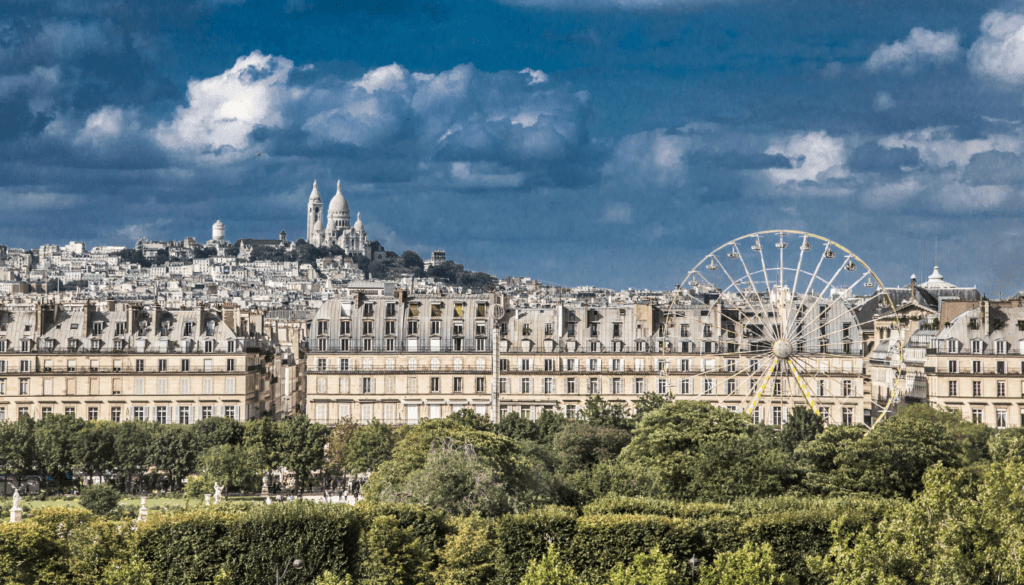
[
  {"x": 616, "y": 329},
  {"x": 23, "y": 387},
  {"x": 367, "y": 327},
  {"x": 3, "y": 366},
  {"x": 549, "y": 385},
  {"x": 435, "y": 385},
  {"x": 847, "y": 416},
  {"x": 952, "y": 387},
  {"x": 570, "y": 365},
  {"x": 22, "y": 411},
  {"x": 367, "y": 385},
  {"x": 1000, "y": 347},
  {"x": 367, "y": 344},
  {"x": 414, "y": 327},
  {"x": 776, "y": 416},
  {"x": 684, "y": 386},
  {"x": 638, "y": 386},
  {"x": 161, "y": 414},
  {"x": 183, "y": 414},
  {"x": 3, "y": 388},
  {"x": 435, "y": 328},
  {"x": 570, "y": 411},
  {"x": 708, "y": 387},
  {"x": 616, "y": 365},
  {"x": 730, "y": 365},
  {"x": 94, "y": 413},
  {"x": 229, "y": 412},
  {"x": 847, "y": 387},
  {"x": 1001, "y": 389},
  {"x": 205, "y": 412},
  {"x": 976, "y": 367},
  {"x": 25, "y": 366},
  {"x": 953, "y": 367},
  {"x": 594, "y": 386},
  {"x": 140, "y": 386},
  {"x": 549, "y": 365},
  {"x": 161, "y": 365},
  {"x": 976, "y": 388},
  {"x": 457, "y": 384},
  {"x": 184, "y": 365},
  {"x": 570, "y": 385},
  {"x": 684, "y": 365},
  {"x": 976, "y": 416},
  {"x": 730, "y": 386},
  {"x": 951, "y": 345},
  {"x": 481, "y": 384},
  {"x": 115, "y": 413},
  {"x": 824, "y": 414},
  {"x": 346, "y": 328},
  {"x": 69, "y": 411},
  {"x": 231, "y": 365},
  {"x": 389, "y": 328},
  {"x": 616, "y": 385},
  {"x": 975, "y": 346},
  {"x": 526, "y": 365},
  {"x": 524, "y": 385},
  {"x": 1001, "y": 419}
]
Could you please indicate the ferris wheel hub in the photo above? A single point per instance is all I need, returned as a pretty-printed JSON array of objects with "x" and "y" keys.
[{"x": 782, "y": 348}]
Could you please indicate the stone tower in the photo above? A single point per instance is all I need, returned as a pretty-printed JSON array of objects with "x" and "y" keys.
[{"x": 314, "y": 218}]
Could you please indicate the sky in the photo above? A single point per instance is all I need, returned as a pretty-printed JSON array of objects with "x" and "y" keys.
[{"x": 611, "y": 143}]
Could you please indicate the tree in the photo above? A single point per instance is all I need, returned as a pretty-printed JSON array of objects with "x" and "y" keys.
[
  {"x": 18, "y": 447},
  {"x": 670, "y": 438},
  {"x": 412, "y": 261},
  {"x": 231, "y": 465},
  {"x": 370, "y": 446},
  {"x": 132, "y": 444},
  {"x": 548, "y": 424},
  {"x": 55, "y": 437},
  {"x": 516, "y": 427},
  {"x": 580, "y": 445},
  {"x": 650, "y": 402},
  {"x": 605, "y": 414},
  {"x": 172, "y": 451},
  {"x": 392, "y": 555},
  {"x": 550, "y": 570},
  {"x": 468, "y": 555},
  {"x": 262, "y": 440},
  {"x": 302, "y": 446},
  {"x": 216, "y": 430},
  {"x": 802, "y": 426},
  {"x": 469, "y": 418},
  {"x": 337, "y": 444},
  {"x": 93, "y": 448},
  {"x": 754, "y": 564},
  {"x": 100, "y": 498},
  {"x": 456, "y": 481},
  {"x": 750, "y": 465}
]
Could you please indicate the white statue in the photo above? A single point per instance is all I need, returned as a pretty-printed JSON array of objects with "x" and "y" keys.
[
  {"x": 268, "y": 500},
  {"x": 17, "y": 500},
  {"x": 143, "y": 511},
  {"x": 207, "y": 499},
  {"x": 216, "y": 492}
]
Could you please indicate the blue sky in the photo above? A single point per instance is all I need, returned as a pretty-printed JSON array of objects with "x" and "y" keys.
[{"x": 602, "y": 142}]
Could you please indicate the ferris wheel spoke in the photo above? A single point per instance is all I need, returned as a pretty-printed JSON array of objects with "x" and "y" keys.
[
  {"x": 715, "y": 373},
  {"x": 860, "y": 324},
  {"x": 820, "y": 295},
  {"x": 810, "y": 283},
  {"x": 839, "y": 384},
  {"x": 840, "y": 298},
  {"x": 768, "y": 289},
  {"x": 743, "y": 296},
  {"x": 851, "y": 309},
  {"x": 770, "y": 331},
  {"x": 799, "y": 265}
]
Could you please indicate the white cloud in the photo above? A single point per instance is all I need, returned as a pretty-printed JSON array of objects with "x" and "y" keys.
[
  {"x": 223, "y": 110},
  {"x": 921, "y": 45},
  {"x": 41, "y": 84},
  {"x": 106, "y": 125},
  {"x": 655, "y": 159},
  {"x": 536, "y": 75},
  {"x": 937, "y": 146},
  {"x": 472, "y": 175},
  {"x": 999, "y": 51},
  {"x": 389, "y": 78},
  {"x": 893, "y": 194},
  {"x": 957, "y": 196},
  {"x": 69, "y": 39},
  {"x": 884, "y": 102},
  {"x": 816, "y": 157}
]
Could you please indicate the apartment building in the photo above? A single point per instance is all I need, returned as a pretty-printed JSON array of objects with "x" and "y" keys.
[{"x": 119, "y": 361}]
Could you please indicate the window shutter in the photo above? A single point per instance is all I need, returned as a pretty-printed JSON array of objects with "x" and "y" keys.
[
  {"x": 220, "y": 410},
  {"x": 238, "y": 412},
  {"x": 373, "y": 385},
  {"x": 174, "y": 414},
  {"x": 192, "y": 415},
  {"x": 145, "y": 413}
]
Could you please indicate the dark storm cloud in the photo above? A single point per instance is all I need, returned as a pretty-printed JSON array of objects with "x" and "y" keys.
[
  {"x": 873, "y": 158},
  {"x": 995, "y": 168}
]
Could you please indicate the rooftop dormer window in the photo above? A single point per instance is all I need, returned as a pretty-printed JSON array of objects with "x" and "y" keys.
[{"x": 189, "y": 328}]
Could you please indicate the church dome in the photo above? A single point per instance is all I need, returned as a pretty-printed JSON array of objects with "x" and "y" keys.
[
  {"x": 359, "y": 225},
  {"x": 315, "y": 195},
  {"x": 338, "y": 203}
]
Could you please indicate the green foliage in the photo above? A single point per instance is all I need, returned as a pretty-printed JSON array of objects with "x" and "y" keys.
[
  {"x": 550, "y": 570},
  {"x": 392, "y": 555},
  {"x": 55, "y": 438},
  {"x": 93, "y": 447},
  {"x": 468, "y": 557},
  {"x": 744, "y": 465},
  {"x": 232, "y": 465},
  {"x": 1007, "y": 445},
  {"x": 651, "y": 568},
  {"x": 199, "y": 485},
  {"x": 619, "y": 477},
  {"x": 599, "y": 412},
  {"x": 28, "y": 554},
  {"x": 650, "y": 402},
  {"x": 516, "y": 427},
  {"x": 469, "y": 418},
  {"x": 329, "y": 578},
  {"x": 130, "y": 572},
  {"x": 670, "y": 438},
  {"x": 753, "y": 564},
  {"x": 302, "y": 445},
  {"x": 454, "y": 480},
  {"x": 412, "y": 261},
  {"x": 216, "y": 430},
  {"x": 802, "y": 426},
  {"x": 99, "y": 498},
  {"x": 523, "y": 538},
  {"x": 548, "y": 424},
  {"x": 369, "y": 446},
  {"x": 262, "y": 438},
  {"x": 338, "y": 444},
  {"x": 411, "y": 454},
  {"x": 581, "y": 445},
  {"x": 18, "y": 447},
  {"x": 172, "y": 450},
  {"x": 602, "y": 542}
]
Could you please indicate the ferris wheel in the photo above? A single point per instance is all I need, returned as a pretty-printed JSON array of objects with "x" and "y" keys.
[{"x": 782, "y": 318}]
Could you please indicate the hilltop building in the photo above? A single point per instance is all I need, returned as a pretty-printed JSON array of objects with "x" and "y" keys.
[{"x": 339, "y": 229}]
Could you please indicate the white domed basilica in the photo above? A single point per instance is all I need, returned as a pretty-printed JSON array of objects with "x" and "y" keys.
[{"x": 339, "y": 229}]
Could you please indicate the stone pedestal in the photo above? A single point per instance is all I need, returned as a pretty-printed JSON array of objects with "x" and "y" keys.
[
  {"x": 143, "y": 511},
  {"x": 207, "y": 501},
  {"x": 16, "y": 515},
  {"x": 265, "y": 492}
]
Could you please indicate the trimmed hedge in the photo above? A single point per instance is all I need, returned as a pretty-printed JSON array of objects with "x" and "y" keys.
[
  {"x": 522, "y": 538},
  {"x": 652, "y": 506}
]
